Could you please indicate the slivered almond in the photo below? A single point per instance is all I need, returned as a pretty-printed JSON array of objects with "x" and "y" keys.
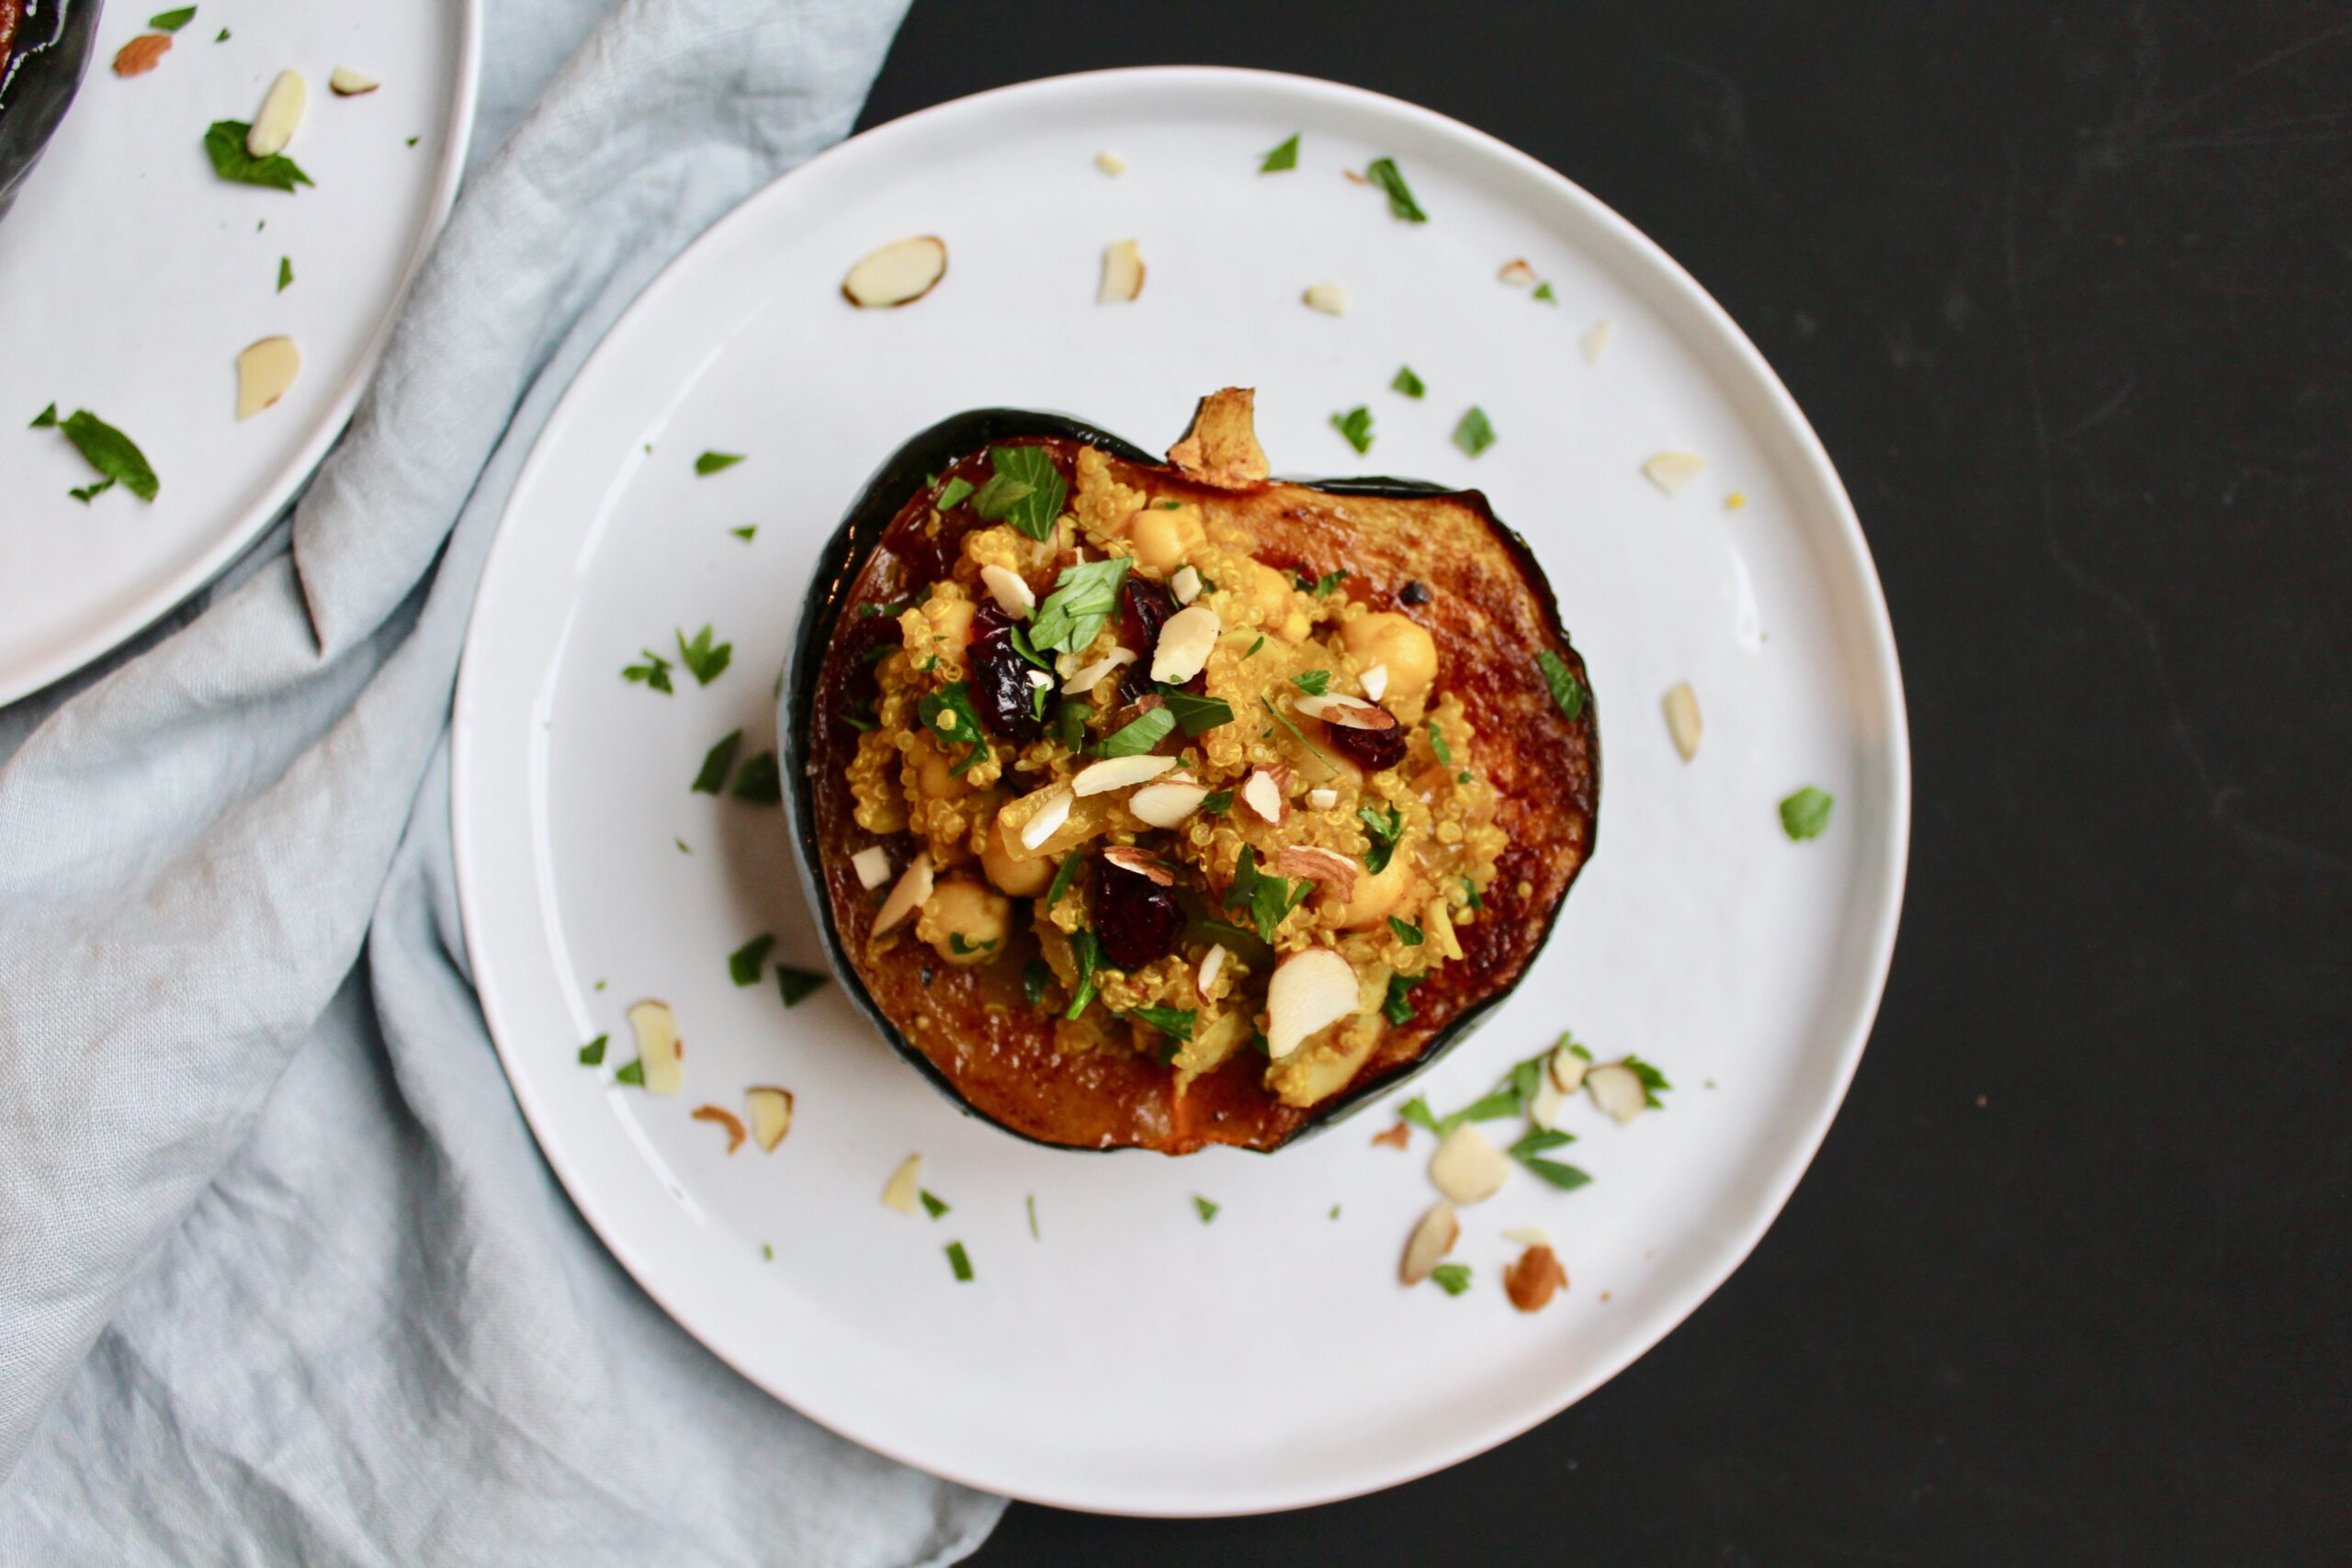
[
  {"x": 1617, "y": 1089},
  {"x": 1149, "y": 867},
  {"x": 1375, "y": 682},
  {"x": 1327, "y": 868},
  {"x": 1534, "y": 1280},
  {"x": 1328, "y": 298},
  {"x": 1550, "y": 1101},
  {"x": 904, "y": 1189},
  {"x": 1683, "y": 719},
  {"x": 771, "y": 1111},
  {"x": 725, "y": 1118},
  {"x": 1010, "y": 591},
  {"x": 1397, "y": 1137},
  {"x": 279, "y": 117},
  {"x": 1121, "y": 273},
  {"x": 1118, "y": 772},
  {"x": 660, "y": 1052},
  {"x": 1437, "y": 920},
  {"x": 1518, "y": 273},
  {"x": 1168, "y": 801},
  {"x": 1263, "y": 794},
  {"x": 142, "y": 54},
  {"x": 265, "y": 372},
  {"x": 872, "y": 864},
  {"x": 1595, "y": 338},
  {"x": 911, "y": 892},
  {"x": 345, "y": 83},
  {"x": 1185, "y": 584},
  {"x": 1528, "y": 1236},
  {"x": 1432, "y": 1240},
  {"x": 1349, "y": 713},
  {"x": 1047, "y": 821},
  {"x": 1184, "y": 644},
  {"x": 1212, "y": 965},
  {"x": 898, "y": 274},
  {"x": 1311, "y": 991},
  {"x": 1567, "y": 1069},
  {"x": 1090, "y": 676},
  {"x": 1110, "y": 162},
  {"x": 1322, "y": 797},
  {"x": 1671, "y": 471},
  {"x": 1467, "y": 1169}
]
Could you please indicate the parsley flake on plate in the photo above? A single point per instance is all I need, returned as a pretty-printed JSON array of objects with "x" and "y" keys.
[
  {"x": 960, "y": 1261},
  {"x": 285, "y": 273},
  {"x": 710, "y": 463},
  {"x": 593, "y": 1053},
  {"x": 1207, "y": 1209},
  {"x": 933, "y": 1203},
  {"x": 172, "y": 21},
  {"x": 1474, "y": 435},
  {"x": 759, "y": 780},
  {"x": 1383, "y": 173},
  {"x": 116, "y": 457},
  {"x": 1281, "y": 158},
  {"x": 224, "y": 143},
  {"x": 705, "y": 661},
  {"x": 1406, "y": 382},
  {"x": 796, "y": 984},
  {"x": 1805, "y": 815},
  {"x": 744, "y": 965},
  {"x": 715, "y": 764},
  {"x": 1452, "y": 1278},
  {"x": 1355, "y": 425}
]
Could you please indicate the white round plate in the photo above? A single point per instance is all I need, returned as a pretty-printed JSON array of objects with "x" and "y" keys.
[
  {"x": 1130, "y": 1357},
  {"x": 131, "y": 277}
]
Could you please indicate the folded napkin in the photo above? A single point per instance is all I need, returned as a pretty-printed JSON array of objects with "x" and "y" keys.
[{"x": 283, "y": 1276}]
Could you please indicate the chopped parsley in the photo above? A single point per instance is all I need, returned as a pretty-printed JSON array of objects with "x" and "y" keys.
[
  {"x": 744, "y": 965},
  {"x": 1805, "y": 814},
  {"x": 1026, "y": 490},
  {"x": 1320, "y": 586},
  {"x": 710, "y": 463},
  {"x": 933, "y": 1203},
  {"x": 1398, "y": 1006},
  {"x": 1035, "y": 976},
  {"x": 1383, "y": 173},
  {"x": 1087, "y": 949},
  {"x": 1140, "y": 734},
  {"x": 1217, "y": 803},
  {"x": 224, "y": 143},
  {"x": 1474, "y": 435},
  {"x": 285, "y": 273},
  {"x": 632, "y": 1073},
  {"x": 1528, "y": 1149},
  {"x": 1069, "y": 724},
  {"x": 796, "y": 983},
  {"x": 948, "y": 714},
  {"x": 1653, "y": 1082},
  {"x": 1033, "y": 1218},
  {"x": 746, "y": 533},
  {"x": 116, "y": 457},
  {"x": 1207, "y": 1209},
  {"x": 1254, "y": 648},
  {"x": 1197, "y": 714},
  {"x": 959, "y": 1261},
  {"x": 1064, "y": 875},
  {"x": 1299, "y": 736},
  {"x": 1385, "y": 827},
  {"x": 1437, "y": 744},
  {"x": 716, "y": 764},
  {"x": 958, "y": 944},
  {"x": 957, "y": 491},
  {"x": 1281, "y": 158},
  {"x": 759, "y": 780},
  {"x": 1266, "y": 899},
  {"x": 1567, "y": 696},
  {"x": 1174, "y": 1022},
  {"x": 172, "y": 21},
  {"x": 1452, "y": 1278},
  {"x": 1406, "y": 382},
  {"x": 1406, "y": 931},
  {"x": 1083, "y": 598},
  {"x": 593, "y": 1053},
  {"x": 1355, "y": 425},
  {"x": 702, "y": 659},
  {"x": 45, "y": 420},
  {"x": 1314, "y": 682},
  {"x": 1544, "y": 293},
  {"x": 1470, "y": 894}
]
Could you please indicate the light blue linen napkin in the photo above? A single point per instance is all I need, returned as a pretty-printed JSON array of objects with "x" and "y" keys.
[{"x": 282, "y": 1276}]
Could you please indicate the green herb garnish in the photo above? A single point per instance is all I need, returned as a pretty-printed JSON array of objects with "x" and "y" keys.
[
  {"x": 1398, "y": 1007},
  {"x": 796, "y": 984},
  {"x": 933, "y": 1203},
  {"x": 1653, "y": 1082},
  {"x": 716, "y": 762},
  {"x": 45, "y": 420},
  {"x": 948, "y": 714},
  {"x": 1544, "y": 293},
  {"x": 744, "y": 965},
  {"x": 958, "y": 489},
  {"x": 1566, "y": 1178},
  {"x": 1026, "y": 490},
  {"x": 1069, "y": 724},
  {"x": 172, "y": 21},
  {"x": 224, "y": 143},
  {"x": 1197, "y": 714},
  {"x": 1314, "y": 682},
  {"x": 1087, "y": 949},
  {"x": 1385, "y": 827},
  {"x": 1355, "y": 425},
  {"x": 1174, "y": 1022},
  {"x": 961, "y": 1262},
  {"x": 963, "y": 947},
  {"x": 702, "y": 659},
  {"x": 1267, "y": 900},
  {"x": 1282, "y": 157},
  {"x": 710, "y": 463},
  {"x": 1567, "y": 696},
  {"x": 1064, "y": 875},
  {"x": 114, "y": 454},
  {"x": 1254, "y": 648},
  {"x": 1470, "y": 894},
  {"x": 632, "y": 1073},
  {"x": 1437, "y": 744},
  {"x": 1083, "y": 598},
  {"x": 1406, "y": 932},
  {"x": 1299, "y": 736},
  {"x": 1217, "y": 803},
  {"x": 84, "y": 493},
  {"x": 1207, "y": 1209},
  {"x": 1320, "y": 586},
  {"x": 285, "y": 272},
  {"x": 593, "y": 1053},
  {"x": 1452, "y": 1278},
  {"x": 1035, "y": 975},
  {"x": 1138, "y": 735},
  {"x": 759, "y": 780},
  {"x": 746, "y": 533},
  {"x": 1033, "y": 1218},
  {"x": 1474, "y": 435},
  {"x": 1406, "y": 382},
  {"x": 1383, "y": 173},
  {"x": 1805, "y": 814}
]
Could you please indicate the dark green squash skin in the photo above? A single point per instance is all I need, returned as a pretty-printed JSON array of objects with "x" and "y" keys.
[{"x": 862, "y": 528}]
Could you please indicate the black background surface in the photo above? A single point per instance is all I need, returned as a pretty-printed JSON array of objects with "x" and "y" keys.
[{"x": 2067, "y": 291}]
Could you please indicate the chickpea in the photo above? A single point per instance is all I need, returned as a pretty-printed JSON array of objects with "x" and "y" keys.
[
  {"x": 1406, "y": 647},
  {"x": 933, "y": 770},
  {"x": 965, "y": 920},
  {"x": 1165, "y": 536},
  {"x": 950, "y": 619},
  {"x": 1268, "y": 590},
  {"x": 1379, "y": 895},
  {"x": 1024, "y": 877}
]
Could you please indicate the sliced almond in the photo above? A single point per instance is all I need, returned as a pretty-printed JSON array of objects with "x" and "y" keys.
[
  {"x": 904, "y": 1189},
  {"x": 1184, "y": 644},
  {"x": 898, "y": 274},
  {"x": 872, "y": 864},
  {"x": 1517, "y": 273},
  {"x": 1327, "y": 868},
  {"x": 1595, "y": 338},
  {"x": 1534, "y": 1280},
  {"x": 1349, "y": 713},
  {"x": 1185, "y": 584},
  {"x": 771, "y": 1111},
  {"x": 1110, "y": 162},
  {"x": 1322, "y": 797},
  {"x": 1121, "y": 273},
  {"x": 1430, "y": 1241},
  {"x": 1683, "y": 719},
  {"x": 1310, "y": 992},
  {"x": 1143, "y": 862},
  {"x": 1087, "y": 677},
  {"x": 659, "y": 1050},
  {"x": 1047, "y": 821},
  {"x": 1168, "y": 801},
  {"x": 1212, "y": 965},
  {"x": 1375, "y": 682},
  {"x": 345, "y": 83},
  {"x": 1261, "y": 794},
  {"x": 266, "y": 371},
  {"x": 1397, "y": 1137},
  {"x": 912, "y": 892},
  {"x": 1671, "y": 471},
  {"x": 1617, "y": 1089},
  {"x": 1010, "y": 591},
  {"x": 1566, "y": 1070},
  {"x": 1467, "y": 1169},
  {"x": 142, "y": 54},
  {"x": 279, "y": 117},
  {"x": 725, "y": 1118},
  {"x": 1528, "y": 1236},
  {"x": 1550, "y": 1101},
  {"x": 1328, "y": 298},
  {"x": 1118, "y": 772}
]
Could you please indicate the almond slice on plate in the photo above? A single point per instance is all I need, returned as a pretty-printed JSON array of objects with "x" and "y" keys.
[
  {"x": 265, "y": 372},
  {"x": 912, "y": 892},
  {"x": 1118, "y": 772},
  {"x": 1567, "y": 1069},
  {"x": 1310, "y": 992},
  {"x": 1595, "y": 338},
  {"x": 660, "y": 1050},
  {"x": 725, "y": 1118},
  {"x": 1047, "y": 821},
  {"x": 1534, "y": 1280},
  {"x": 1517, "y": 273},
  {"x": 1009, "y": 590},
  {"x": 345, "y": 83},
  {"x": 1328, "y": 298},
  {"x": 1184, "y": 644},
  {"x": 1671, "y": 471},
  {"x": 1262, "y": 794},
  {"x": 279, "y": 117},
  {"x": 142, "y": 54},
  {"x": 1432, "y": 1240},
  {"x": 771, "y": 1111},
  {"x": 1467, "y": 1169},
  {"x": 1121, "y": 273},
  {"x": 904, "y": 1191},
  {"x": 872, "y": 864},
  {"x": 1617, "y": 1089},
  {"x": 1528, "y": 1236},
  {"x": 1168, "y": 801},
  {"x": 1683, "y": 719},
  {"x": 1550, "y": 1101},
  {"x": 1110, "y": 162},
  {"x": 898, "y": 274},
  {"x": 1327, "y": 868}
]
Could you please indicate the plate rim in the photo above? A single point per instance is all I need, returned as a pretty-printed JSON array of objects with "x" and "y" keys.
[
  {"x": 1880, "y": 924},
  {"x": 70, "y": 655}
]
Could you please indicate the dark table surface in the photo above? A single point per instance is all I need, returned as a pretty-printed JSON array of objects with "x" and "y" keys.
[{"x": 2067, "y": 291}]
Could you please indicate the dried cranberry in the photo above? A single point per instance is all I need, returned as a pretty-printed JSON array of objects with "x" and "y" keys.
[
  {"x": 1370, "y": 750},
  {"x": 1136, "y": 919},
  {"x": 1000, "y": 686},
  {"x": 1413, "y": 592},
  {"x": 1144, "y": 607}
]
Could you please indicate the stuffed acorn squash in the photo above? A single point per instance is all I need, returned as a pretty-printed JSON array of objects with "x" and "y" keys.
[{"x": 1158, "y": 806}]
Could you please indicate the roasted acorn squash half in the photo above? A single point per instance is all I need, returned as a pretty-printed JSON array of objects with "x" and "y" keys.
[{"x": 1159, "y": 805}]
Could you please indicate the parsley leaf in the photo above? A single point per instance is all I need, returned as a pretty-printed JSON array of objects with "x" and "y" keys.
[
  {"x": 1384, "y": 826},
  {"x": 1174, "y": 1022},
  {"x": 224, "y": 143},
  {"x": 1568, "y": 695},
  {"x": 715, "y": 764},
  {"x": 86, "y": 491},
  {"x": 962, "y": 946},
  {"x": 1320, "y": 586},
  {"x": 1035, "y": 975},
  {"x": 948, "y": 714},
  {"x": 1314, "y": 682},
  {"x": 1805, "y": 814},
  {"x": 1437, "y": 744},
  {"x": 1026, "y": 490},
  {"x": 1254, "y": 648},
  {"x": 1470, "y": 892},
  {"x": 1406, "y": 932},
  {"x": 1138, "y": 735},
  {"x": 759, "y": 780},
  {"x": 1406, "y": 382},
  {"x": 796, "y": 984},
  {"x": 1282, "y": 157},
  {"x": 593, "y": 1053},
  {"x": 1452, "y": 1278},
  {"x": 1653, "y": 1082},
  {"x": 747, "y": 533},
  {"x": 744, "y": 965},
  {"x": 1356, "y": 426},
  {"x": 1299, "y": 736},
  {"x": 1268, "y": 900},
  {"x": 45, "y": 420},
  {"x": 959, "y": 1261},
  {"x": 702, "y": 661},
  {"x": 1398, "y": 1007},
  {"x": 1207, "y": 1209},
  {"x": 1197, "y": 714},
  {"x": 1566, "y": 1178},
  {"x": 114, "y": 454},
  {"x": 1544, "y": 293},
  {"x": 1474, "y": 435},
  {"x": 933, "y": 1204},
  {"x": 1383, "y": 173},
  {"x": 957, "y": 490},
  {"x": 653, "y": 673},
  {"x": 285, "y": 272},
  {"x": 1088, "y": 950},
  {"x": 1217, "y": 803},
  {"x": 1064, "y": 875},
  {"x": 1084, "y": 596},
  {"x": 172, "y": 21},
  {"x": 632, "y": 1073},
  {"x": 710, "y": 463}
]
